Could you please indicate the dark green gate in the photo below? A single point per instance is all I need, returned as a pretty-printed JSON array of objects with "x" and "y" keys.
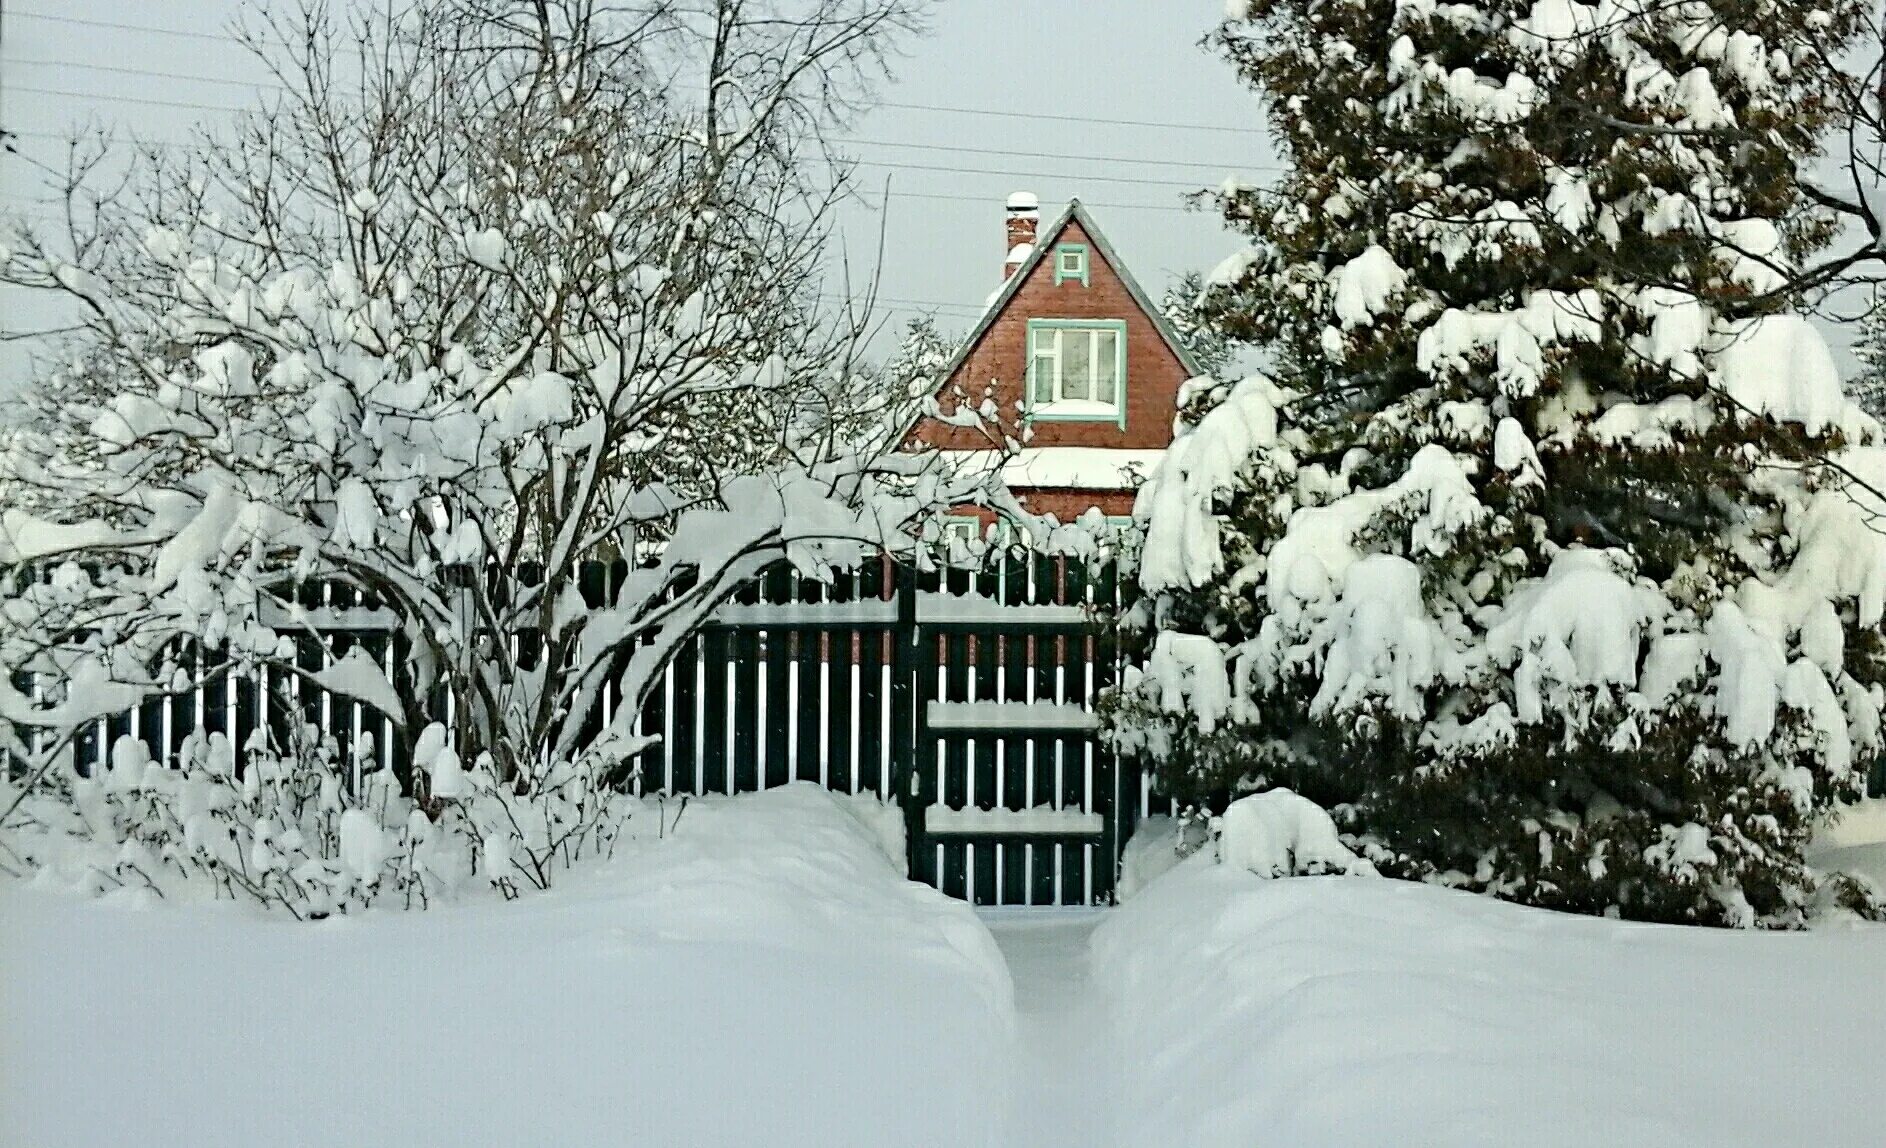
[{"x": 964, "y": 694}]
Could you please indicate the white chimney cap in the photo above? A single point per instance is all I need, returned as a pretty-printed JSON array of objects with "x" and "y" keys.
[{"x": 1024, "y": 201}]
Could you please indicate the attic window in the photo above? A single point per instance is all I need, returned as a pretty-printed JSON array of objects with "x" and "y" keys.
[
  {"x": 1070, "y": 262},
  {"x": 1077, "y": 370}
]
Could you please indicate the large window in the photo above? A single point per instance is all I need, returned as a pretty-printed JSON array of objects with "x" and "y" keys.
[{"x": 1076, "y": 368}]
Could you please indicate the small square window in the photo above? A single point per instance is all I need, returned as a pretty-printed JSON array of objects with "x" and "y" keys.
[{"x": 1070, "y": 262}]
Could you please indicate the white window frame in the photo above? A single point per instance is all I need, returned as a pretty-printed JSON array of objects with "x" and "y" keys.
[{"x": 1049, "y": 342}]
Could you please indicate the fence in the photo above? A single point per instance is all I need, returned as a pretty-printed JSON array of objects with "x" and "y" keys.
[{"x": 965, "y": 695}]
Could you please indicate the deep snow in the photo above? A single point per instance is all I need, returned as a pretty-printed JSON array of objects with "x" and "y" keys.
[
  {"x": 1332, "y": 1011},
  {"x": 759, "y": 975},
  {"x": 1062, "y": 1085}
]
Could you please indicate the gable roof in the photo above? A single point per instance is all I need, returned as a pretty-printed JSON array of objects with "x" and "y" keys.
[{"x": 1075, "y": 212}]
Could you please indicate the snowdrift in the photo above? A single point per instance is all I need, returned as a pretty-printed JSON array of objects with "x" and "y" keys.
[
  {"x": 756, "y": 972},
  {"x": 1325, "y": 1012}
]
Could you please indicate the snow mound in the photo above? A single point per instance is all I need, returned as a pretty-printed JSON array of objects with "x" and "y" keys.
[
  {"x": 1158, "y": 843},
  {"x": 746, "y": 970},
  {"x": 1322, "y": 1013},
  {"x": 1281, "y": 833}
]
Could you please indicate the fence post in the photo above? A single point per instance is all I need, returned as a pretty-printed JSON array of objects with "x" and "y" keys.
[{"x": 906, "y": 778}]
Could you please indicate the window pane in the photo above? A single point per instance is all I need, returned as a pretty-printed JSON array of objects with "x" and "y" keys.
[
  {"x": 1077, "y": 365},
  {"x": 1107, "y": 366},
  {"x": 1044, "y": 378},
  {"x": 1044, "y": 341}
]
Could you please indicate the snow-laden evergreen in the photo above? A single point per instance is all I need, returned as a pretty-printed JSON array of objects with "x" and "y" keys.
[{"x": 1548, "y": 557}]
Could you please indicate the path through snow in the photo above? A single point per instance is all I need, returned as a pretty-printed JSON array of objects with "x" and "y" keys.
[{"x": 1065, "y": 1064}]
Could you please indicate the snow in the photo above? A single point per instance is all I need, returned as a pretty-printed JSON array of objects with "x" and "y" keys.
[
  {"x": 1064, "y": 1061},
  {"x": 1516, "y": 340},
  {"x": 745, "y": 971},
  {"x": 938, "y": 606},
  {"x": 1280, "y": 833},
  {"x": 1204, "y": 462},
  {"x": 1364, "y": 285},
  {"x": 1324, "y": 1012},
  {"x": 1010, "y": 715},
  {"x": 1549, "y": 635},
  {"x": 1072, "y": 467},
  {"x": 487, "y": 248},
  {"x": 364, "y": 849},
  {"x": 1022, "y": 202},
  {"x": 1779, "y": 366},
  {"x": 1190, "y": 674},
  {"x": 357, "y": 675},
  {"x": 1158, "y": 843},
  {"x": 1042, "y": 820}
]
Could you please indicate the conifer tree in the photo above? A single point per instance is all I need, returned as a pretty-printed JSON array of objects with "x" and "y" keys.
[
  {"x": 1543, "y": 557},
  {"x": 1868, "y": 388}
]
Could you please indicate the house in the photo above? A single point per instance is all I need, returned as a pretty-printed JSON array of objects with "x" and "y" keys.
[{"x": 1082, "y": 366}]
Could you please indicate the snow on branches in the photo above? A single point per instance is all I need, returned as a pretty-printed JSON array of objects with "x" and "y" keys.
[
  {"x": 1550, "y": 560},
  {"x": 519, "y": 305}
]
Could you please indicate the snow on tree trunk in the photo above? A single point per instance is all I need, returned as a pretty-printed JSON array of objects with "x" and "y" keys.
[{"x": 1548, "y": 557}]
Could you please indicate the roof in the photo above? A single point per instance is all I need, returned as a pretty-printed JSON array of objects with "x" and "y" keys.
[
  {"x": 1074, "y": 467},
  {"x": 1075, "y": 212}
]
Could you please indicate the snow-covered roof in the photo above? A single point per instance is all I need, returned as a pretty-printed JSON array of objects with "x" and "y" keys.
[{"x": 1071, "y": 467}]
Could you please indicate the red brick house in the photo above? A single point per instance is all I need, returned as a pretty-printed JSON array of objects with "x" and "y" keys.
[{"x": 1072, "y": 349}]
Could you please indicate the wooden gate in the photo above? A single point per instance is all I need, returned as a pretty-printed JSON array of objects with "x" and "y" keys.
[
  {"x": 966, "y": 695},
  {"x": 1012, "y": 801}
]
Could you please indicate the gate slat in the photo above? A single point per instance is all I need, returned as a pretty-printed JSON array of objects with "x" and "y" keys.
[{"x": 777, "y": 589}]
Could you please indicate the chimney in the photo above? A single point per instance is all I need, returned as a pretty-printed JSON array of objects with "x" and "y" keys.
[{"x": 1024, "y": 215}]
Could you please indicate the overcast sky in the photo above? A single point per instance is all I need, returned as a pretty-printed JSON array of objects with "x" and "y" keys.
[
  {"x": 1060, "y": 73},
  {"x": 1007, "y": 95}
]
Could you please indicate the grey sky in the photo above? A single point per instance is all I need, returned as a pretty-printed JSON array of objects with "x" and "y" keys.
[
  {"x": 1030, "y": 59},
  {"x": 1057, "y": 70}
]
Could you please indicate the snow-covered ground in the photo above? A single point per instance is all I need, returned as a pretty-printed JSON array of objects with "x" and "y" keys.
[
  {"x": 1325, "y": 1011},
  {"x": 757, "y": 974}
]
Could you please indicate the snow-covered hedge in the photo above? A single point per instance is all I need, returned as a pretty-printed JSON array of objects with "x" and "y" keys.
[{"x": 288, "y": 833}]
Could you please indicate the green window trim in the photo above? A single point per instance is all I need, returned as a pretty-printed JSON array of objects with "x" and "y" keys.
[
  {"x": 1061, "y": 273},
  {"x": 964, "y": 528},
  {"x": 1032, "y": 407}
]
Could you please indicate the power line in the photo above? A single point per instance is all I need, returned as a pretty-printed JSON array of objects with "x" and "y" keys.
[
  {"x": 946, "y": 109},
  {"x": 1071, "y": 177},
  {"x": 148, "y": 73},
  {"x": 1067, "y": 119},
  {"x": 1025, "y": 154},
  {"x": 1074, "y": 177},
  {"x": 121, "y": 27},
  {"x": 252, "y": 85},
  {"x": 129, "y": 99},
  {"x": 195, "y": 106},
  {"x": 897, "y": 193}
]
